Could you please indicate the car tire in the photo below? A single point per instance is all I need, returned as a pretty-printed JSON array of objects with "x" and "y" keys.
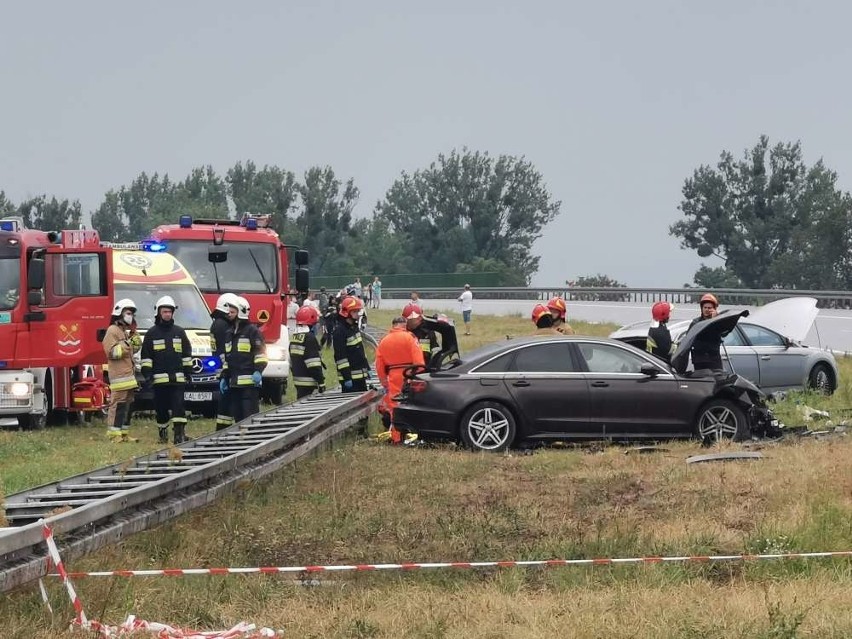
[
  {"x": 488, "y": 426},
  {"x": 821, "y": 379},
  {"x": 721, "y": 419}
]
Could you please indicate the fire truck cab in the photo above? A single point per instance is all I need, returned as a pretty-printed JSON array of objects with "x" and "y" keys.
[
  {"x": 248, "y": 258},
  {"x": 55, "y": 301}
]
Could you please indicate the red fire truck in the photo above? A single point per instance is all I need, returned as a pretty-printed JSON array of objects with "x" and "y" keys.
[
  {"x": 56, "y": 295},
  {"x": 248, "y": 258}
]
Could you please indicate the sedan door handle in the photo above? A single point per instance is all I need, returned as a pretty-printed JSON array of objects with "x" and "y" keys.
[
  {"x": 521, "y": 382},
  {"x": 765, "y": 358},
  {"x": 600, "y": 384}
]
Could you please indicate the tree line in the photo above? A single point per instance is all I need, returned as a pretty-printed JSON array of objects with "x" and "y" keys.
[
  {"x": 772, "y": 221},
  {"x": 466, "y": 212}
]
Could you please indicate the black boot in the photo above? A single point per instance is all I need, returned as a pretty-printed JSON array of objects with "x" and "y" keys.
[
  {"x": 180, "y": 436},
  {"x": 163, "y": 432}
]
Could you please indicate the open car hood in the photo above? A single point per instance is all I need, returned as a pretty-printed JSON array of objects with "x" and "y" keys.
[
  {"x": 719, "y": 326},
  {"x": 792, "y": 317}
]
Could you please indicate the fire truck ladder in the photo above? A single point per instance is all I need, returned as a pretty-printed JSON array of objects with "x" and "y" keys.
[{"x": 103, "y": 506}]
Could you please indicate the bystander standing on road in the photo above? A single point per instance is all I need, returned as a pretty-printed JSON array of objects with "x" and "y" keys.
[
  {"x": 377, "y": 292},
  {"x": 466, "y": 301}
]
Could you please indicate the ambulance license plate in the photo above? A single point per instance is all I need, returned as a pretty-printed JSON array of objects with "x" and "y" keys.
[{"x": 198, "y": 396}]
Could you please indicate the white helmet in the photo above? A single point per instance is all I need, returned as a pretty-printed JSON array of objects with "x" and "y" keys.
[
  {"x": 243, "y": 308},
  {"x": 167, "y": 301},
  {"x": 121, "y": 304},
  {"x": 225, "y": 300}
]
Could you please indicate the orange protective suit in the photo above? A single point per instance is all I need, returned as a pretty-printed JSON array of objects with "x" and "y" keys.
[{"x": 398, "y": 350}]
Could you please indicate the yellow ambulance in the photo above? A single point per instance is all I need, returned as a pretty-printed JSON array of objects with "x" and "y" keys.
[{"x": 145, "y": 276}]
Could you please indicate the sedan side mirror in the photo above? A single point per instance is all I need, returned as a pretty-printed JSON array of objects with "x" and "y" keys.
[{"x": 650, "y": 370}]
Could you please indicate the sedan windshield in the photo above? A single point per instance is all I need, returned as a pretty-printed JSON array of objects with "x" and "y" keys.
[
  {"x": 10, "y": 274},
  {"x": 192, "y": 311},
  {"x": 251, "y": 267}
]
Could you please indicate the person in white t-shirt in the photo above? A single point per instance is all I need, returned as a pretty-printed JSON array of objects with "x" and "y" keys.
[
  {"x": 292, "y": 307},
  {"x": 466, "y": 301}
]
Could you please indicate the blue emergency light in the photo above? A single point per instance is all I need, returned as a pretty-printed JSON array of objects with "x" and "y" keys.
[
  {"x": 185, "y": 221},
  {"x": 211, "y": 363},
  {"x": 251, "y": 224},
  {"x": 7, "y": 225},
  {"x": 153, "y": 246}
]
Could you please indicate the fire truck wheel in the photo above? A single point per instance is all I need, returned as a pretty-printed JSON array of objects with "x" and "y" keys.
[
  {"x": 32, "y": 421},
  {"x": 273, "y": 391}
]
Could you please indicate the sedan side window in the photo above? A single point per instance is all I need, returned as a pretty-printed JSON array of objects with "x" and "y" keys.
[
  {"x": 734, "y": 338},
  {"x": 544, "y": 358},
  {"x": 605, "y": 358},
  {"x": 759, "y": 336},
  {"x": 497, "y": 365}
]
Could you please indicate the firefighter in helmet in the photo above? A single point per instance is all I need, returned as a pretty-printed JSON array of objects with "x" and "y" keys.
[
  {"x": 706, "y": 352},
  {"x": 305, "y": 360},
  {"x": 352, "y": 366},
  {"x": 167, "y": 366},
  {"x": 245, "y": 359},
  {"x": 659, "y": 340},
  {"x": 413, "y": 314},
  {"x": 397, "y": 351},
  {"x": 542, "y": 317},
  {"x": 226, "y": 306},
  {"x": 560, "y": 316},
  {"x": 120, "y": 342}
]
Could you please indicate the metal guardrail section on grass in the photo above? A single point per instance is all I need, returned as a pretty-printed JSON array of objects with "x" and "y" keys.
[
  {"x": 98, "y": 497},
  {"x": 749, "y": 297}
]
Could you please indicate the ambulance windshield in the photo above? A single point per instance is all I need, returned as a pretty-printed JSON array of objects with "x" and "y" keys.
[
  {"x": 251, "y": 267},
  {"x": 10, "y": 275},
  {"x": 191, "y": 313}
]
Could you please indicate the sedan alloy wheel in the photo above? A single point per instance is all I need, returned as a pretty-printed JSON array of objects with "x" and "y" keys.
[
  {"x": 488, "y": 426},
  {"x": 721, "y": 419}
]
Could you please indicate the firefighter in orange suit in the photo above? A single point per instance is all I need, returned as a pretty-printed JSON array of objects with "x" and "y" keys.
[{"x": 398, "y": 350}]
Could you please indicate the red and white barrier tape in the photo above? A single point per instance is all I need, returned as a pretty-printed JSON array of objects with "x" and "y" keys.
[
  {"x": 274, "y": 570},
  {"x": 80, "y": 617},
  {"x": 132, "y": 624}
]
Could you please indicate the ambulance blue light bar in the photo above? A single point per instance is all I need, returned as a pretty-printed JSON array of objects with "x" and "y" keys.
[{"x": 153, "y": 246}]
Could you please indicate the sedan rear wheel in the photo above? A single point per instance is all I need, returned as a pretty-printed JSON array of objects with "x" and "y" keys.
[
  {"x": 721, "y": 419},
  {"x": 488, "y": 426}
]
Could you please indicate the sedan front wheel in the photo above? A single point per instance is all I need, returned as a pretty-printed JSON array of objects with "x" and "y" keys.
[
  {"x": 488, "y": 426},
  {"x": 721, "y": 419}
]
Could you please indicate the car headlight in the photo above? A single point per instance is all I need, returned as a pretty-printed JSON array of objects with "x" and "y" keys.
[
  {"x": 274, "y": 352},
  {"x": 19, "y": 389}
]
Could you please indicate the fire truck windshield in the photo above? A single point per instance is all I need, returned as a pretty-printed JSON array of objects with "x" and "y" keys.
[
  {"x": 251, "y": 267},
  {"x": 10, "y": 282},
  {"x": 191, "y": 312}
]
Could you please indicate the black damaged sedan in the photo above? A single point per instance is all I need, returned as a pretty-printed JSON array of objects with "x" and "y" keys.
[{"x": 563, "y": 388}]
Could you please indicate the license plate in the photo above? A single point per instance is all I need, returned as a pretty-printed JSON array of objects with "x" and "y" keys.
[{"x": 198, "y": 397}]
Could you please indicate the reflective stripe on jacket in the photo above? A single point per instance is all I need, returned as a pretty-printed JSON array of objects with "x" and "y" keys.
[
  {"x": 119, "y": 351},
  {"x": 166, "y": 354},
  {"x": 305, "y": 361}
]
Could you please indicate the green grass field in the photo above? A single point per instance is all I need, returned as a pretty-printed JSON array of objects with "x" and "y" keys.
[{"x": 367, "y": 502}]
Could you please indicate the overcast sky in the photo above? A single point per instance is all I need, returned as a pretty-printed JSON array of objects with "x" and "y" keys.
[{"x": 614, "y": 102}]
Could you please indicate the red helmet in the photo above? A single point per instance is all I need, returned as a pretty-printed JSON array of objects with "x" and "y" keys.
[
  {"x": 539, "y": 311},
  {"x": 661, "y": 311},
  {"x": 308, "y": 315},
  {"x": 557, "y": 308},
  {"x": 709, "y": 297},
  {"x": 412, "y": 311},
  {"x": 350, "y": 306}
]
